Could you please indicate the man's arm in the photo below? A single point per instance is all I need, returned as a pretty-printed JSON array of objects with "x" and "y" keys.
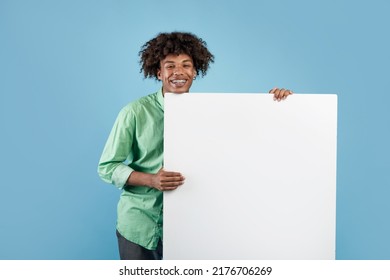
[
  {"x": 113, "y": 170},
  {"x": 111, "y": 167}
]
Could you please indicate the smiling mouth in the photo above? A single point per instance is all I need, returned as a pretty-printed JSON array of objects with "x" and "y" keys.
[{"x": 178, "y": 83}]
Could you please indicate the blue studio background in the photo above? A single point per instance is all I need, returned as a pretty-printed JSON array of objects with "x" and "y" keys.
[{"x": 67, "y": 67}]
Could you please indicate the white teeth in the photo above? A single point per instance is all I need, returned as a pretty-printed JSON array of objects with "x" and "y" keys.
[{"x": 178, "y": 81}]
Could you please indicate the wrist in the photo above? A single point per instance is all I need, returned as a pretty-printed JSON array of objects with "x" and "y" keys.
[
  {"x": 150, "y": 180},
  {"x": 137, "y": 178}
]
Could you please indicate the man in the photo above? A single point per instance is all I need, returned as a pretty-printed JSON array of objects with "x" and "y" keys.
[{"x": 132, "y": 158}]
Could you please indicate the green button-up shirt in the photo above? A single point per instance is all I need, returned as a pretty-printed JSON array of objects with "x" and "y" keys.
[{"x": 136, "y": 143}]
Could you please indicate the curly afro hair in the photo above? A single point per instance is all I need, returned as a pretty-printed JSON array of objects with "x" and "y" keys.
[{"x": 155, "y": 50}]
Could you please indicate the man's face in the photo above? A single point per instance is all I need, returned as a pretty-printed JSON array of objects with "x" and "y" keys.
[{"x": 176, "y": 73}]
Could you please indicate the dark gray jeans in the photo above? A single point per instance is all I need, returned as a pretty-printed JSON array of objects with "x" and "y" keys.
[{"x": 131, "y": 251}]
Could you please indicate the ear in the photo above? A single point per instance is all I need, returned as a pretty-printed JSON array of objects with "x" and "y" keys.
[{"x": 159, "y": 74}]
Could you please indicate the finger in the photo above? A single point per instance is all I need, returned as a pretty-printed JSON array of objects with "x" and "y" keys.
[
  {"x": 168, "y": 179},
  {"x": 281, "y": 94},
  {"x": 170, "y": 173},
  {"x": 272, "y": 91},
  {"x": 286, "y": 93},
  {"x": 171, "y": 184},
  {"x": 171, "y": 188},
  {"x": 168, "y": 185},
  {"x": 278, "y": 94},
  {"x": 166, "y": 188}
]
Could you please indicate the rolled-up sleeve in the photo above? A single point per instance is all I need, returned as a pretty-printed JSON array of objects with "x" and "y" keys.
[{"x": 118, "y": 149}]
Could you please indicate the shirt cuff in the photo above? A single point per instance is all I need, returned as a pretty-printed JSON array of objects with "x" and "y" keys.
[{"x": 120, "y": 175}]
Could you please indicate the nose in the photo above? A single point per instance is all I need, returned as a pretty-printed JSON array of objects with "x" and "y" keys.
[{"x": 178, "y": 70}]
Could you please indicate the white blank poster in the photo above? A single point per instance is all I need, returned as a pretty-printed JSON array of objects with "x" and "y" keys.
[{"x": 260, "y": 176}]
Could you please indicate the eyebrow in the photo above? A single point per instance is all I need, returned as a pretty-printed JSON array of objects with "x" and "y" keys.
[{"x": 170, "y": 61}]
